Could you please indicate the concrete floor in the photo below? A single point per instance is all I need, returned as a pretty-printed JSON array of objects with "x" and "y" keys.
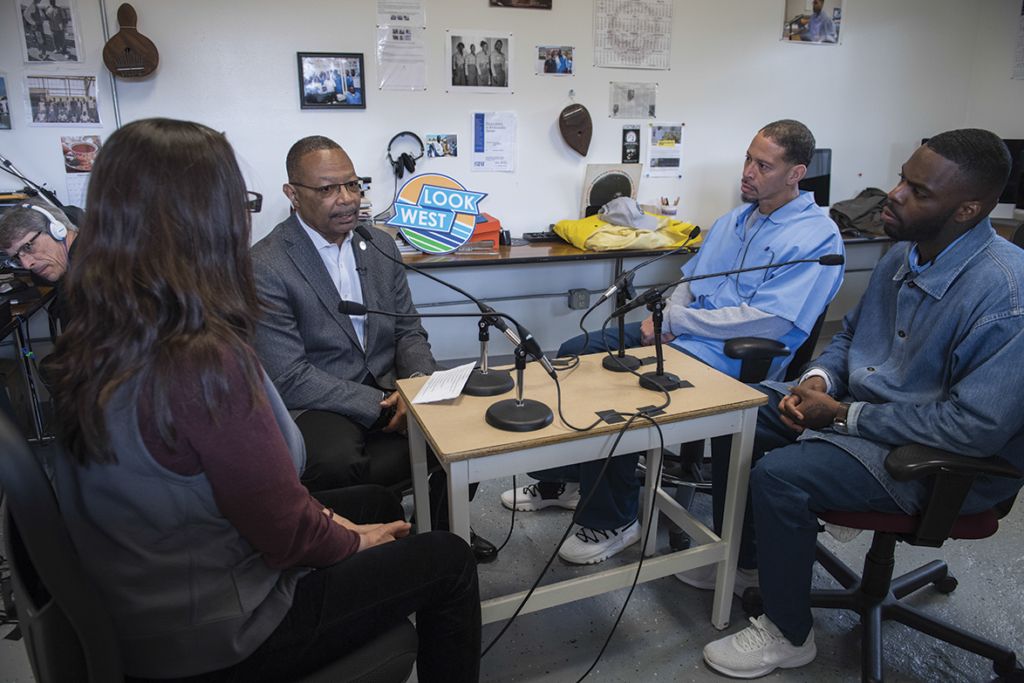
[{"x": 667, "y": 623}]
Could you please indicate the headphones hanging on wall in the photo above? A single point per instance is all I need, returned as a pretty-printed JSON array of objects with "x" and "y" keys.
[
  {"x": 405, "y": 161},
  {"x": 58, "y": 231}
]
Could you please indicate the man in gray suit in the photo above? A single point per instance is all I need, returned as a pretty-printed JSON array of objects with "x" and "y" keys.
[{"x": 338, "y": 370}]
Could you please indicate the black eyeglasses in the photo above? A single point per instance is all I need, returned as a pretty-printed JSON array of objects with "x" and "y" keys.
[
  {"x": 331, "y": 191},
  {"x": 255, "y": 201},
  {"x": 14, "y": 260}
]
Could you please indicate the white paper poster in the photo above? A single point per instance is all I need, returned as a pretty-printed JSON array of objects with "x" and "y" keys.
[
  {"x": 401, "y": 58},
  {"x": 401, "y": 13},
  {"x": 665, "y": 152},
  {"x": 494, "y": 141},
  {"x": 633, "y": 34},
  {"x": 632, "y": 100}
]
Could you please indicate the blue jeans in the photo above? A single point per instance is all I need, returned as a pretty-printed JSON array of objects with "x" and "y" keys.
[
  {"x": 790, "y": 485},
  {"x": 614, "y": 498}
]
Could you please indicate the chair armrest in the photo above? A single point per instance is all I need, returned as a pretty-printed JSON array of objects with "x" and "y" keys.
[
  {"x": 915, "y": 461},
  {"x": 751, "y": 348},
  {"x": 954, "y": 475},
  {"x": 755, "y": 355}
]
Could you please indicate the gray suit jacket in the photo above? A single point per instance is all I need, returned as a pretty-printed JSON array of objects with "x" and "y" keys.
[{"x": 309, "y": 350}]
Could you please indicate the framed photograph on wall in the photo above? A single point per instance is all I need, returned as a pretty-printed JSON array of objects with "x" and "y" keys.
[
  {"x": 5, "y": 104},
  {"x": 815, "y": 22},
  {"x": 64, "y": 100},
  {"x": 49, "y": 31},
  {"x": 331, "y": 80}
]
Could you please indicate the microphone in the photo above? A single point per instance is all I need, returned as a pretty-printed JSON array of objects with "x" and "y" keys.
[
  {"x": 624, "y": 280},
  {"x": 528, "y": 342},
  {"x": 655, "y": 293},
  {"x": 492, "y": 315}
]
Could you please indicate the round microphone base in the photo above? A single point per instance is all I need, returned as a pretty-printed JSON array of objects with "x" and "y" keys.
[
  {"x": 656, "y": 382},
  {"x": 491, "y": 383},
  {"x": 620, "y": 364},
  {"x": 511, "y": 416}
]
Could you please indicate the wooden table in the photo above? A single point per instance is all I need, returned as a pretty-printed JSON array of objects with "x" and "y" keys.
[{"x": 470, "y": 451}]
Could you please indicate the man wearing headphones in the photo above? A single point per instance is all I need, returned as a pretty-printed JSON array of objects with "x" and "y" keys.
[
  {"x": 776, "y": 223},
  {"x": 337, "y": 372},
  {"x": 38, "y": 237}
]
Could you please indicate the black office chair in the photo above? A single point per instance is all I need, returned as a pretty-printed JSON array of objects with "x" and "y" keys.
[
  {"x": 875, "y": 595},
  {"x": 68, "y": 633},
  {"x": 756, "y": 355}
]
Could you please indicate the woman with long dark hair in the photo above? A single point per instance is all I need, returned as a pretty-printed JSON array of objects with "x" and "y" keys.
[{"x": 180, "y": 483}]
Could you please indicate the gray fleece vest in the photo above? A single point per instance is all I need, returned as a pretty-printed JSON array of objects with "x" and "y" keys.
[{"x": 186, "y": 592}]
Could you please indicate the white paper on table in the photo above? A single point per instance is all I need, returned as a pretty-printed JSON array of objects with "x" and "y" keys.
[{"x": 444, "y": 384}]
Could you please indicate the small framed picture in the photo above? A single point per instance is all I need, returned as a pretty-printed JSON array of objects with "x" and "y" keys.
[
  {"x": 49, "y": 31},
  {"x": 331, "y": 80},
  {"x": 5, "y": 104}
]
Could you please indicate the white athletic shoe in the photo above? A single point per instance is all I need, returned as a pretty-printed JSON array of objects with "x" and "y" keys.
[
  {"x": 757, "y": 650},
  {"x": 590, "y": 546},
  {"x": 704, "y": 578},
  {"x": 529, "y": 498}
]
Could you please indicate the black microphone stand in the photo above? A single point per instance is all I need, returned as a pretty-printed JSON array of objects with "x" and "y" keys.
[
  {"x": 620, "y": 362},
  {"x": 519, "y": 414},
  {"x": 483, "y": 381},
  {"x": 659, "y": 380}
]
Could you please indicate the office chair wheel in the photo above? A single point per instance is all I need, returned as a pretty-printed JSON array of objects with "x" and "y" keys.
[{"x": 946, "y": 584}]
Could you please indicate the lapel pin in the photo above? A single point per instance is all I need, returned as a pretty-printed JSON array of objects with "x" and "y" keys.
[{"x": 362, "y": 245}]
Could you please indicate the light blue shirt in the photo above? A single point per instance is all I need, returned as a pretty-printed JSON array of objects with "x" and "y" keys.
[
  {"x": 821, "y": 29},
  {"x": 797, "y": 293},
  {"x": 341, "y": 266},
  {"x": 935, "y": 358}
]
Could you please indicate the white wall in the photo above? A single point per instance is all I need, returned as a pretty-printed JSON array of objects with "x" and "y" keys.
[{"x": 904, "y": 70}]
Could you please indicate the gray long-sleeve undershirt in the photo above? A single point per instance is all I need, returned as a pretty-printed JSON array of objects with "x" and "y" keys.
[{"x": 720, "y": 323}]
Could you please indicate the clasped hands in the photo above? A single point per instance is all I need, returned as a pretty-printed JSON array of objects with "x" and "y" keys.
[
  {"x": 647, "y": 332},
  {"x": 808, "y": 406}
]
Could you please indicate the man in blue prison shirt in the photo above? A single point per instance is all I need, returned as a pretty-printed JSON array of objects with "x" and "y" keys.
[
  {"x": 776, "y": 223},
  {"x": 930, "y": 355}
]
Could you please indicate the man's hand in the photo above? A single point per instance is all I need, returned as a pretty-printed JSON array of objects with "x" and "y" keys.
[
  {"x": 647, "y": 332},
  {"x": 397, "y": 421},
  {"x": 808, "y": 406},
  {"x": 371, "y": 535}
]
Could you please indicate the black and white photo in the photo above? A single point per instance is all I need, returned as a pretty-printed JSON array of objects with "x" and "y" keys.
[
  {"x": 479, "y": 60},
  {"x": 62, "y": 100},
  {"x": 5, "y": 105},
  {"x": 49, "y": 30}
]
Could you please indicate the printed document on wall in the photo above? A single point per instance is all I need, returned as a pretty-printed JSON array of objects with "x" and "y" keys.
[
  {"x": 494, "y": 141},
  {"x": 665, "y": 152},
  {"x": 401, "y": 13},
  {"x": 401, "y": 58},
  {"x": 633, "y": 34}
]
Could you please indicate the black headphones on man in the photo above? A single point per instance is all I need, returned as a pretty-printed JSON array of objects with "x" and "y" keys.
[
  {"x": 405, "y": 161},
  {"x": 58, "y": 230}
]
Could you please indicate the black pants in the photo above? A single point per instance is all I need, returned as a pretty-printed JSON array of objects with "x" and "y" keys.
[
  {"x": 339, "y": 608},
  {"x": 341, "y": 453}
]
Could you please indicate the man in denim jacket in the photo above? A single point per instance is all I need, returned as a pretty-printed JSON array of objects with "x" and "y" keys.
[{"x": 931, "y": 355}]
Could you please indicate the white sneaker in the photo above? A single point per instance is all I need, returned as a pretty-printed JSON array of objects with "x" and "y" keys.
[
  {"x": 757, "y": 650},
  {"x": 590, "y": 546},
  {"x": 529, "y": 498},
  {"x": 704, "y": 578}
]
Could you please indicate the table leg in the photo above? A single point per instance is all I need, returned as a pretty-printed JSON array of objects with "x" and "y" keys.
[
  {"x": 418, "y": 467},
  {"x": 651, "y": 485},
  {"x": 458, "y": 499},
  {"x": 732, "y": 523}
]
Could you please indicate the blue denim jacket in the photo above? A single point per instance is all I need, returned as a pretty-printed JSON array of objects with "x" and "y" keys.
[{"x": 935, "y": 358}]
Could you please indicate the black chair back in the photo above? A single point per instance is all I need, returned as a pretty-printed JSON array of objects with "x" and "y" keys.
[
  {"x": 805, "y": 353},
  {"x": 66, "y": 627}
]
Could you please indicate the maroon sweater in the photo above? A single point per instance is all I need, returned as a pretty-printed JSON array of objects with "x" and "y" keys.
[{"x": 245, "y": 458}]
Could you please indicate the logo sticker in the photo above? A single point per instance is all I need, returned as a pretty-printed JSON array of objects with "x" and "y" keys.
[{"x": 435, "y": 213}]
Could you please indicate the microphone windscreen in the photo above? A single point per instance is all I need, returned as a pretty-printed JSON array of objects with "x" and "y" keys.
[
  {"x": 832, "y": 260},
  {"x": 694, "y": 234},
  {"x": 364, "y": 232},
  {"x": 351, "y": 308}
]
